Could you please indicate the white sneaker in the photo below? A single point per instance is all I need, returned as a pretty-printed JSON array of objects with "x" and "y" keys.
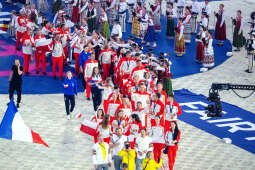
[
  {"x": 68, "y": 117},
  {"x": 71, "y": 115}
]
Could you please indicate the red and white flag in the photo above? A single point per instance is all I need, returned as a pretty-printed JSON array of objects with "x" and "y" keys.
[{"x": 88, "y": 127}]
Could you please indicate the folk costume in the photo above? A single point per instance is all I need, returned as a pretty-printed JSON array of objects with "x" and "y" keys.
[
  {"x": 195, "y": 9},
  {"x": 170, "y": 14},
  {"x": 105, "y": 30},
  {"x": 179, "y": 40},
  {"x": 150, "y": 33},
  {"x": 200, "y": 54},
  {"x": 131, "y": 5},
  {"x": 220, "y": 28},
  {"x": 156, "y": 15},
  {"x": 91, "y": 19},
  {"x": 143, "y": 22},
  {"x": 180, "y": 6},
  {"x": 76, "y": 11},
  {"x": 238, "y": 38},
  {"x": 136, "y": 24},
  {"x": 208, "y": 61},
  {"x": 111, "y": 10},
  {"x": 122, "y": 14},
  {"x": 187, "y": 26}
]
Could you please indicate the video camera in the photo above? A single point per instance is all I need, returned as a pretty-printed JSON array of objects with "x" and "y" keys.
[{"x": 215, "y": 109}]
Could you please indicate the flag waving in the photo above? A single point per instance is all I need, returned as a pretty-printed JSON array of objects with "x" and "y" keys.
[{"x": 13, "y": 127}]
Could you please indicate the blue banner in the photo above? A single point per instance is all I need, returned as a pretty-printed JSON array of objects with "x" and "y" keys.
[{"x": 236, "y": 123}]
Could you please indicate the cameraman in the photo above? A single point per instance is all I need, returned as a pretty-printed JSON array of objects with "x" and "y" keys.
[
  {"x": 15, "y": 80},
  {"x": 128, "y": 156}
]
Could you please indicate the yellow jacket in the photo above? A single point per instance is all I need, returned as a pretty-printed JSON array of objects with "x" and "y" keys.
[
  {"x": 128, "y": 158},
  {"x": 152, "y": 164}
]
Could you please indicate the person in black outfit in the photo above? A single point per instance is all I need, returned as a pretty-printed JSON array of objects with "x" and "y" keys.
[{"x": 15, "y": 80}]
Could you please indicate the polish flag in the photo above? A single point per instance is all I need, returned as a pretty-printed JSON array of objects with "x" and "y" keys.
[
  {"x": 13, "y": 127},
  {"x": 89, "y": 127}
]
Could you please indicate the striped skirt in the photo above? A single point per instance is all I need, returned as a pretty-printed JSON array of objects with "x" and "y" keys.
[
  {"x": 208, "y": 61},
  {"x": 136, "y": 27},
  {"x": 179, "y": 47},
  {"x": 187, "y": 31}
]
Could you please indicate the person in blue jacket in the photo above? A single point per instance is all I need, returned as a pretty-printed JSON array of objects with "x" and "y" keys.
[
  {"x": 70, "y": 89},
  {"x": 84, "y": 56}
]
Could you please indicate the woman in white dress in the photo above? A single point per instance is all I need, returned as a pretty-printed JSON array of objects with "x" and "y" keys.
[{"x": 208, "y": 61}]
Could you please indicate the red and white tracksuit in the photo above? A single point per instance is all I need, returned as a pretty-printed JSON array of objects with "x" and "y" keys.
[
  {"x": 106, "y": 57},
  {"x": 64, "y": 39},
  {"x": 133, "y": 130},
  {"x": 124, "y": 68},
  {"x": 115, "y": 60},
  {"x": 157, "y": 107},
  {"x": 112, "y": 107},
  {"x": 149, "y": 83},
  {"x": 27, "y": 45},
  {"x": 172, "y": 148},
  {"x": 77, "y": 48},
  {"x": 98, "y": 121},
  {"x": 108, "y": 89},
  {"x": 46, "y": 30},
  {"x": 88, "y": 69},
  {"x": 40, "y": 52},
  {"x": 21, "y": 29},
  {"x": 57, "y": 58},
  {"x": 139, "y": 71},
  {"x": 127, "y": 110},
  {"x": 172, "y": 110},
  {"x": 158, "y": 140},
  {"x": 143, "y": 97},
  {"x": 163, "y": 96},
  {"x": 142, "y": 114},
  {"x": 104, "y": 132},
  {"x": 119, "y": 123}
]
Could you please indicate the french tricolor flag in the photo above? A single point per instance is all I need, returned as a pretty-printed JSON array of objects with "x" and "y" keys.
[{"x": 13, "y": 127}]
